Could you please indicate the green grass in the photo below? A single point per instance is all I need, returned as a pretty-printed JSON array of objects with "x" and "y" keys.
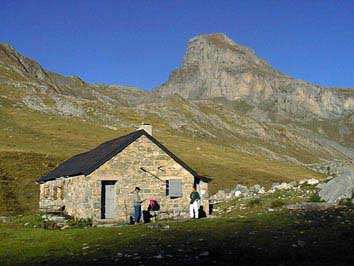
[
  {"x": 18, "y": 171},
  {"x": 277, "y": 203},
  {"x": 278, "y": 237}
]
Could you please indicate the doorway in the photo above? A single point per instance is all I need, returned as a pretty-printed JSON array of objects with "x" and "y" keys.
[{"x": 108, "y": 206}]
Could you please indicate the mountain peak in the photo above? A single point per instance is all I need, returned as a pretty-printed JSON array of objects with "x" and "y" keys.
[
  {"x": 219, "y": 40},
  {"x": 216, "y": 66},
  {"x": 203, "y": 47},
  {"x": 7, "y": 46}
]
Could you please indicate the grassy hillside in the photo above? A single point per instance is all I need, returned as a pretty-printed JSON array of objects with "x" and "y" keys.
[{"x": 32, "y": 143}]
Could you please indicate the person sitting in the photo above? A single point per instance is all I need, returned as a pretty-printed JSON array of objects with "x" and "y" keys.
[
  {"x": 147, "y": 215},
  {"x": 201, "y": 212}
]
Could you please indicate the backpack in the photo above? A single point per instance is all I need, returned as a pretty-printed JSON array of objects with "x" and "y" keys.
[{"x": 154, "y": 205}]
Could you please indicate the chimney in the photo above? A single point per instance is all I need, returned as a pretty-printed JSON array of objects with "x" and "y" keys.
[{"x": 146, "y": 127}]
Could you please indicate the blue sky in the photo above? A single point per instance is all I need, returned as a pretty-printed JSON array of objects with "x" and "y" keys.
[{"x": 139, "y": 43}]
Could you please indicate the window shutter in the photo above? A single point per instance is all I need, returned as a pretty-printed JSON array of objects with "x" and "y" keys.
[
  {"x": 175, "y": 188},
  {"x": 62, "y": 192},
  {"x": 55, "y": 193},
  {"x": 46, "y": 191}
]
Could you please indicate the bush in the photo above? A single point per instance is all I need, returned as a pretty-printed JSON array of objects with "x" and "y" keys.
[
  {"x": 49, "y": 225},
  {"x": 80, "y": 223},
  {"x": 315, "y": 198},
  {"x": 346, "y": 202},
  {"x": 277, "y": 203},
  {"x": 254, "y": 202}
]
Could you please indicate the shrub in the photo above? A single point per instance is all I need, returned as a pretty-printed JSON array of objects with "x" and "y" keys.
[
  {"x": 315, "y": 198},
  {"x": 80, "y": 223},
  {"x": 277, "y": 203},
  {"x": 346, "y": 202},
  {"x": 254, "y": 202}
]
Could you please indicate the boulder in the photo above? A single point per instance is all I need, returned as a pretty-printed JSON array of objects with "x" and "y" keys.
[
  {"x": 282, "y": 186},
  {"x": 238, "y": 194},
  {"x": 312, "y": 181},
  {"x": 293, "y": 183},
  {"x": 338, "y": 188},
  {"x": 303, "y": 181},
  {"x": 262, "y": 190},
  {"x": 243, "y": 189},
  {"x": 256, "y": 188},
  {"x": 56, "y": 218},
  {"x": 321, "y": 185}
]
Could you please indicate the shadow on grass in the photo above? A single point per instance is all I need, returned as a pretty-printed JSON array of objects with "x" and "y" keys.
[{"x": 283, "y": 238}]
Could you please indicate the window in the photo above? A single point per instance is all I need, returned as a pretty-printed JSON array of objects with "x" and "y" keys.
[
  {"x": 174, "y": 188},
  {"x": 46, "y": 191},
  {"x": 55, "y": 193},
  {"x": 62, "y": 192}
]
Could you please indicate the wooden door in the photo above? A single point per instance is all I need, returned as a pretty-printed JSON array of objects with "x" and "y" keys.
[{"x": 108, "y": 196}]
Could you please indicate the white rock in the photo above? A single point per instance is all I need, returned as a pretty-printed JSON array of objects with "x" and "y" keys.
[
  {"x": 238, "y": 194},
  {"x": 303, "y": 181},
  {"x": 282, "y": 186},
  {"x": 312, "y": 181},
  {"x": 204, "y": 254},
  {"x": 262, "y": 190}
]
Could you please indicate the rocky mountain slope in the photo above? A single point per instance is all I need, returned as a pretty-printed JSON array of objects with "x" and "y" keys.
[
  {"x": 225, "y": 111},
  {"x": 215, "y": 66}
]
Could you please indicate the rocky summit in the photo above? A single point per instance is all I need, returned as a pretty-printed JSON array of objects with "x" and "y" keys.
[{"x": 215, "y": 66}]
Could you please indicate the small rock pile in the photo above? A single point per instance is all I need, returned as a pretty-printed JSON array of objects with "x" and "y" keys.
[
  {"x": 242, "y": 191},
  {"x": 52, "y": 221}
]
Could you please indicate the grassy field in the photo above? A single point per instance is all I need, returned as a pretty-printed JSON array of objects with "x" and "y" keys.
[{"x": 251, "y": 235}]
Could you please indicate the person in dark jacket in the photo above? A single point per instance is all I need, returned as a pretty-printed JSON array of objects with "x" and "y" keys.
[
  {"x": 194, "y": 204},
  {"x": 201, "y": 212},
  {"x": 147, "y": 215}
]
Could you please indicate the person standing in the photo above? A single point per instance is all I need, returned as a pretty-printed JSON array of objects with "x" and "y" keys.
[
  {"x": 137, "y": 205},
  {"x": 194, "y": 204}
]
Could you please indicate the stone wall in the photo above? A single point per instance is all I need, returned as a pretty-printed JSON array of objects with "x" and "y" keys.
[
  {"x": 82, "y": 195},
  {"x": 203, "y": 189},
  {"x": 74, "y": 193}
]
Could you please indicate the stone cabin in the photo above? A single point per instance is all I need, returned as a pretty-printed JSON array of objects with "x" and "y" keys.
[{"x": 98, "y": 184}]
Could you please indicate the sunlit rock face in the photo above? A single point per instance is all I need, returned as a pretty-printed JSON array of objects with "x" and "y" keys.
[{"x": 215, "y": 66}]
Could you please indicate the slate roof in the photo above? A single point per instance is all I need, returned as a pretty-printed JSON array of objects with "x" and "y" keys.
[{"x": 87, "y": 162}]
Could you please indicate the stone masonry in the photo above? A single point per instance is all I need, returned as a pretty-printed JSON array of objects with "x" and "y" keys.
[{"x": 81, "y": 195}]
